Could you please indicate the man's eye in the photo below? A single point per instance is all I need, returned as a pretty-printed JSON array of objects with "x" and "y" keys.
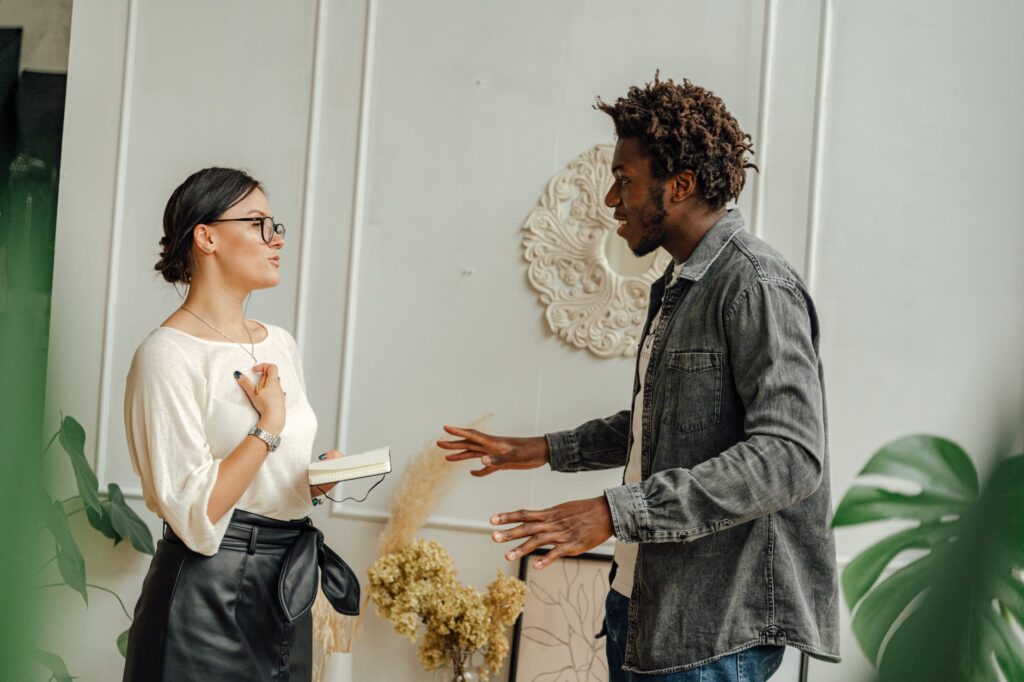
[{"x": 622, "y": 181}]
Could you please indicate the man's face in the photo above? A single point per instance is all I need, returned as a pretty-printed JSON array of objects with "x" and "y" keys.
[{"x": 638, "y": 199}]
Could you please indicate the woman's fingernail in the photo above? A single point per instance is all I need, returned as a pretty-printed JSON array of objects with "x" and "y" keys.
[
  {"x": 237, "y": 373},
  {"x": 323, "y": 456},
  {"x": 485, "y": 461}
]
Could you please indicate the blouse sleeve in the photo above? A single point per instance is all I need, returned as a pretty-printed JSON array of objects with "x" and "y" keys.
[{"x": 166, "y": 433}]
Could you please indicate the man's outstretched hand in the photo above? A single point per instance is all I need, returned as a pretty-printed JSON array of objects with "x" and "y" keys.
[
  {"x": 495, "y": 452},
  {"x": 572, "y": 527}
]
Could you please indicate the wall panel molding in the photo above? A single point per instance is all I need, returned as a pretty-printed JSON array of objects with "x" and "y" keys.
[
  {"x": 117, "y": 230},
  {"x": 311, "y": 172},
  {"x": 770, "y": 27},
  {"x": 821, "y": 102},
  {"x": 355, "y": 243}
]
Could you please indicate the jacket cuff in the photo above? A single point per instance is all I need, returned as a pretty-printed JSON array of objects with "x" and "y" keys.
[
  {"x": 627, "y": 506},
  {"x": 564, "y": 450}
]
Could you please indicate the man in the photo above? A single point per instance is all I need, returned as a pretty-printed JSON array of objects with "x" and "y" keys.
[{"x": 724, "y": 552}]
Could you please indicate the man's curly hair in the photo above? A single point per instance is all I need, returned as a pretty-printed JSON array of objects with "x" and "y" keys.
[{"x": 685, "y": 127}]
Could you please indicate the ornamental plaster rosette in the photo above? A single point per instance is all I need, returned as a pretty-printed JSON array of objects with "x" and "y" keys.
[{"x": 586, "y": 302}]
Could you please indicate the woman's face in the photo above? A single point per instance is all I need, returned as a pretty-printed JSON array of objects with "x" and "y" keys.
[{"x": 240, "y": 254}]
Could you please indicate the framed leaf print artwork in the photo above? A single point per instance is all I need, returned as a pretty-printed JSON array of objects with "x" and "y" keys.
[{"x": 555, "y": 637}]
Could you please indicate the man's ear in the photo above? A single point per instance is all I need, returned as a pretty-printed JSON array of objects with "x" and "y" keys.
[
  {"x": 684, "y": 185},
  {"x": 203, "y": 238}
]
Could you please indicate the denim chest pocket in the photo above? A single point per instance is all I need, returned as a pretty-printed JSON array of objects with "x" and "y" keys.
[{"x": 692, "y": 389}]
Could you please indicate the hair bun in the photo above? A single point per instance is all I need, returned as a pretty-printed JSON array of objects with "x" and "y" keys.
[{"x": 203, "y": 196}]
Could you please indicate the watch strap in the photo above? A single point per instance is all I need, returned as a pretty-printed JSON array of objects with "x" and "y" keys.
[{"x": 270, "y": 439}]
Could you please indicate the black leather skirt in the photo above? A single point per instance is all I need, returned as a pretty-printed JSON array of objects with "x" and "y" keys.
[{"x": 241, "y": 614}]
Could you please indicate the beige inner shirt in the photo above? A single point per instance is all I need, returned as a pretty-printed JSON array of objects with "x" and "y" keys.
[{"x": 625, "y": 552}]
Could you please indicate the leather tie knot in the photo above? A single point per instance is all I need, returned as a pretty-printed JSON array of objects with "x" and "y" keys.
[{"x": 308, "y": 557}]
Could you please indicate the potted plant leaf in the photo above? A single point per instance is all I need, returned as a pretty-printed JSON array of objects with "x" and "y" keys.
[
  {"x": 954, "y": 608},
  {"x": 108, "y": 513}
]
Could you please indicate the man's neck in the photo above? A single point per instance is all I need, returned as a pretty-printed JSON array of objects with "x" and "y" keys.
[{"x": 682, "y": 241}]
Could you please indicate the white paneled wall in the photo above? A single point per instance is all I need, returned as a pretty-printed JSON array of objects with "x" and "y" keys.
[
  {"x": 918, "y": 241},
  {"x": 403, "y": 144}
]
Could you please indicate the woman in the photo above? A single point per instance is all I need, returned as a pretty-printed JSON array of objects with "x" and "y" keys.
[{"x": 220, "y": 432}]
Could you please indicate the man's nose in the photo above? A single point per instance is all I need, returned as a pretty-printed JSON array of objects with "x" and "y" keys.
[{"x": 611, "y": 199}]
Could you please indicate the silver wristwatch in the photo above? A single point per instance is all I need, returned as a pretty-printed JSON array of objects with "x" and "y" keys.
[{"x": 270, "y": 439}]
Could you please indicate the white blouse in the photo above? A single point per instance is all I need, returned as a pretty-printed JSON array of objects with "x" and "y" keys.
[{"x": 184, "y": 412}]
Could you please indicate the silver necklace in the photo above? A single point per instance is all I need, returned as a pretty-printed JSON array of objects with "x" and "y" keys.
[{"x": 252, "y": 352}]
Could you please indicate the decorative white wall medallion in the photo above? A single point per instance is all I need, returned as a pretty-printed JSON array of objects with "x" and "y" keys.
[{"x": 594, "y": 290}]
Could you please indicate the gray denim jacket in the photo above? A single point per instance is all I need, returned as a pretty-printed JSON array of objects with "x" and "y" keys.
[{"x": 734, "y": 511}]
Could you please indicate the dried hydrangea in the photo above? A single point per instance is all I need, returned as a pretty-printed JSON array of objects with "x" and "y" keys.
[{"x": 417, "y": 584}]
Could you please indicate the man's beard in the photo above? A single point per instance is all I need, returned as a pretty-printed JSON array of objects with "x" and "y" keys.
[{"x": 652, "y": 222}]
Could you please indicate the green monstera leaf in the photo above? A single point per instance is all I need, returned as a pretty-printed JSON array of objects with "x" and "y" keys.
[
  {"x": 127, "y": 523},
  {"x": 951, "y": 610},
  {"x": 109, "y": 514},
  {"x": 72, "y": 439},
  {"x": 122, "y": 643},
  {"x": 54, "y": 663},
  {"x": 103, "y": 522},
  {"x": 70, "y": 562}
]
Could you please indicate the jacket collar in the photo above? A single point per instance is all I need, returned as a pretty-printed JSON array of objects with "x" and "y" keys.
[{"x": 710, "y": 247}]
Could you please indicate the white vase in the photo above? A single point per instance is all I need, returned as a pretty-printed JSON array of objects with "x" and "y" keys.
[
  {"x": 338, "y": 668},
  {"x": 445, "y": 674}
]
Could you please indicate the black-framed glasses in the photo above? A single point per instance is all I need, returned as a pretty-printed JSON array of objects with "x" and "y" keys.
[{"x": 268, "y": 228}]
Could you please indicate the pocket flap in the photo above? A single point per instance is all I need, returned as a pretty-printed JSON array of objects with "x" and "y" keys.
[{"x": 693, "y": 361}]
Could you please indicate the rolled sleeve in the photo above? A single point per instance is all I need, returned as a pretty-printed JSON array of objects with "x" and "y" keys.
[
  {"x": 597, "y": 444},
  {"x": 626, "y": 503},
  {"x": 563, "y": 449},
  {"x": 164, "y": 426}
]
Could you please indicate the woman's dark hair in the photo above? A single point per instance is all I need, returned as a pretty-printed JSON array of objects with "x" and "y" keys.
[
  {"x": 685, "y": 127},
  {"x": 204, "y": 196}
]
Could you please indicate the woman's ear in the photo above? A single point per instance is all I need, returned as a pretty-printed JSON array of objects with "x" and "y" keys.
[{"x": 203, "y": 238}]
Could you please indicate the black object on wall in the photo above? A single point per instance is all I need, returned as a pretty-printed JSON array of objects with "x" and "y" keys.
[
  {"x": 29, "y": 208},
  {"x": 39, "y": 105},
  {"x": 10, "y": 52}
]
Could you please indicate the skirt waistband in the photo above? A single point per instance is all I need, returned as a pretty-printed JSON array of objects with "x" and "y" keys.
[
  {"x": 255, "y": 530},
  {"x": 306, "y": 559}
]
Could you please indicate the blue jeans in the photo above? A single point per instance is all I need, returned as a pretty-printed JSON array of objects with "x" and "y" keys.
[{"x": 750, "y": 665}]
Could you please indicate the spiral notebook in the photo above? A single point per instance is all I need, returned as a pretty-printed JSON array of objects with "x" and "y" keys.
[{"x": 372, "y": 463}]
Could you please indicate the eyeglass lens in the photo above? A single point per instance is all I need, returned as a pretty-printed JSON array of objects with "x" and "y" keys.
[{"x": 268, "y": 229}]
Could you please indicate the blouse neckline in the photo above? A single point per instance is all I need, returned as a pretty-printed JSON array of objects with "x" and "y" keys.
[{"x": 222, "y": 343}]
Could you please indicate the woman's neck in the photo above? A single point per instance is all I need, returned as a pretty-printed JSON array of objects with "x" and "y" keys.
[{"x": 222, "y": 309}]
